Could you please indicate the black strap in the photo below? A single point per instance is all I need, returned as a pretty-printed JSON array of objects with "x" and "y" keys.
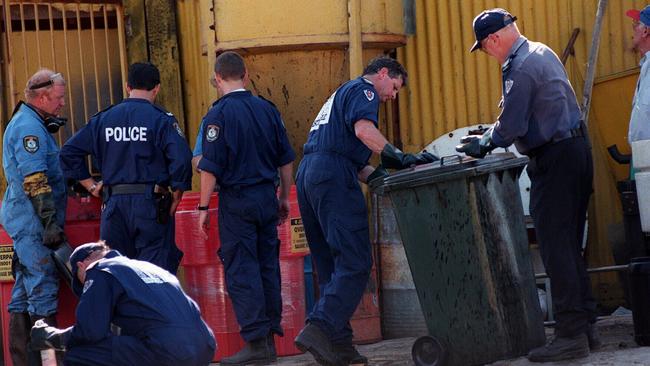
[{"x": 118, "y": 189}]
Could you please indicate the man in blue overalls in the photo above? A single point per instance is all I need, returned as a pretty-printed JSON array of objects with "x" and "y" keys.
[
  {"x": 33, "y": 207},
  {"x": 159, "y": 324},
  {"x": 245, "y": 147},
  {"x": 333, "y": 208},
  {"x": 141, "y": 153},
  {"x": 540, "y": 114}
]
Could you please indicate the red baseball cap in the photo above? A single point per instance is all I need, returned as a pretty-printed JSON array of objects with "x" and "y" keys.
[{"x": 642, "y": 16}]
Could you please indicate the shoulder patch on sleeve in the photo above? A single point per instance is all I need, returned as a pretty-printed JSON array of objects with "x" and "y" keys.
[
  {"x": 178, "y": 129},
  {"x": 370, "y": 95},
  {"x": 30, "y": 143},
  {"x": 212, "y": 132},
  {"x": 87, "y": 285},
  {"x": 508, "y": 84}
]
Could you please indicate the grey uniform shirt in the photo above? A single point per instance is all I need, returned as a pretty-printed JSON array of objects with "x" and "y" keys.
[{"x": 538, "y": 103}]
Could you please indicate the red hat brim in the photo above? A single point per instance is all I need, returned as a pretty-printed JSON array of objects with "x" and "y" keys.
[{"x": 634, "y": 14}]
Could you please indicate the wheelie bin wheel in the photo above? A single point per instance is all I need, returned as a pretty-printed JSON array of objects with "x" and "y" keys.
[{"x": 427, "y": 351}]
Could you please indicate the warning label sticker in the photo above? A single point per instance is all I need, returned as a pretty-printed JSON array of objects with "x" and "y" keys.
[
  {"x": 298, "y": 238},
  {"x": 6, "y": 253}
]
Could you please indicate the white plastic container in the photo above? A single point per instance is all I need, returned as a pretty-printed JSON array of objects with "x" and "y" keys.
[{"x": 641, "y": 164}]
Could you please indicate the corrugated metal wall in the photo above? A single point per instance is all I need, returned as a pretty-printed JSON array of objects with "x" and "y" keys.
[{"x": 451, "y": 88}]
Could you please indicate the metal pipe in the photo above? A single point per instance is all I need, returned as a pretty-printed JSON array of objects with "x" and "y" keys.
[
  {"x": 51, "y": 20},
  {"x": 64, "y": 18},
  {"x": 622, "y": 267},
  {"x": 98, "y": 95},
  {"x": 81, "y": 62},
  {"x": 108, "y": 58},
  {"x": 591, "y": 63},
  {"x": 122, "y": 43},
  {"x": 24, "y": 38},
  {"x": 37, "y": 31},
  {"x": 9, "y": 59}
]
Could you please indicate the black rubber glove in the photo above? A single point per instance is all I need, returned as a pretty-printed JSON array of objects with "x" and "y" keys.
[
  {"x": 394, "y": 158},
  {"x": 44, "y": 336},
  {"x": 53, "y": 235},
  {"x": 378, "y": 173},
  {"x": 475, "y": 146}
]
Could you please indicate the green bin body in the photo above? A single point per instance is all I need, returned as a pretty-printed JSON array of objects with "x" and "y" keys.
[{"x": 462, "y": 225}]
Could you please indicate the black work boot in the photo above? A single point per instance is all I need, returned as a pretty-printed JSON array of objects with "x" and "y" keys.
[
  {"x": 19, "y": 328},
  {"x": 593, "y": 337},
  {"x": 270, "y": 342},
  {"x": 561, "y": 348},
  {"x": 349, "y": 354},
  {"x": 255, "y": 352},
  {"x": 313, "y": 340}
]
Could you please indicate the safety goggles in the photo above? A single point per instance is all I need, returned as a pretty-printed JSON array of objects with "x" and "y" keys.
[{"x": 48, "y": 82}]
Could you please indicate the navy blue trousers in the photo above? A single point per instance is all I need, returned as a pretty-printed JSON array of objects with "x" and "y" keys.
[
  {"x": 131, "y": 351},
  {"x": 129, "y": 226},
  {"x": 561, "y": 178},
  {"x": 250, "y": 249},
  {"x": 335, "y": 218}
]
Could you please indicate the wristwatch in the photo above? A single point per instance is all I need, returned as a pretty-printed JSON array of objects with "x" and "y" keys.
[{"x": 202, "y": 208}]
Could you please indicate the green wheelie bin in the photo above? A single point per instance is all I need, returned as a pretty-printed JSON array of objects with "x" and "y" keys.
[{"x": 462, "y": 225}]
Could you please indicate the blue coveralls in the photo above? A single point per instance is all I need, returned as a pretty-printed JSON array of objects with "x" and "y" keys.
[
  {"x": 134, "y": 143},
  {"x": 333, "y": 207},
  {"x": 160, "y": 325},
  {"x": 244, "y": 144},
  {"x": 28, "y": 148},
  {"x": 541, "y": 116}
]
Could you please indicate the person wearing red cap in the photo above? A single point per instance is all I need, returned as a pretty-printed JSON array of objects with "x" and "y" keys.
[
  {"x": 639, "y": 127},
  {"x": 540, "y": 115}
]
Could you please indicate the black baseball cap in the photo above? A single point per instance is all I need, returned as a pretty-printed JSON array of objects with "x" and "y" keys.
[
  {"x": 78, "y": 255},
  {"x": 488, "y": 22}
]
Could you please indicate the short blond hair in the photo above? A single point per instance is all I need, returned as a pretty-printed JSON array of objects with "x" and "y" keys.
[{"x": 41, "y": 82}]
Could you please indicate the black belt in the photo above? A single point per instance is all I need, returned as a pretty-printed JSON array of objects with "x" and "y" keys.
[
  {"x": 137, "y": 188},
  {"x": 580, "y": 131}
]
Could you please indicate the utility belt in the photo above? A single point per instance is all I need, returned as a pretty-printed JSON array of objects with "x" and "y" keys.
[
  {"x": 580, "y": 131},
  {"x": 160, "y": 194}
]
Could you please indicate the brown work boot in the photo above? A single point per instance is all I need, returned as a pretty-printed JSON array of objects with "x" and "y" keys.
[
  {"x": 593, "y": 336},
  {"x": 350, "y": 355},
  {"x": 561, "y": 348}
]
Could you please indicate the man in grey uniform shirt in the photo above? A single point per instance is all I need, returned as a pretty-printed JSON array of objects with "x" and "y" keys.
[{"x": 540, "y": 114}]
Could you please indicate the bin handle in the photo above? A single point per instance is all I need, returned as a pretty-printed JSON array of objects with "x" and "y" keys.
[{"x": 450, "y": 157}]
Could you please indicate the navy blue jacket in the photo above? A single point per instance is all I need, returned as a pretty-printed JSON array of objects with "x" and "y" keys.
[
  {"x": 333, "y": 129},
  {"x": 134, "y": 141},
  {"x": 244, "y": 141},
  {"x": 145, "y": 301}
]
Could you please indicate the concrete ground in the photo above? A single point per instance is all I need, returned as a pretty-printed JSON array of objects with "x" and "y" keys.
[{"x": 616, "y": 333}]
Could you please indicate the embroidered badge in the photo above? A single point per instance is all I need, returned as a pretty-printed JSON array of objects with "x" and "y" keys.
[
  {"x": 178, "y": 129},
  {"x": 87, "y": 285},
  {"x": 30, "y": 143},
  {"x": 369, "y": 94},
  {"x": 509, "y": 85},
  {"x": 212, "y": 133}
]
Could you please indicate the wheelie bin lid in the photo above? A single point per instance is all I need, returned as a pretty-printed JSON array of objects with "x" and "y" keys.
[{"x": 446, "y": 169}]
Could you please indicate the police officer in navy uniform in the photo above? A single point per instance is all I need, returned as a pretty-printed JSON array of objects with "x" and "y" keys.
[
  {"x": 540, "y": 114},
  {"x": 333, "y": 208},
  {"x": 141, "y": 154},
  {"x": 245, "y": 148},
  {"x": 159, "y": 324},
  {"x": 33, "y": 207}
]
